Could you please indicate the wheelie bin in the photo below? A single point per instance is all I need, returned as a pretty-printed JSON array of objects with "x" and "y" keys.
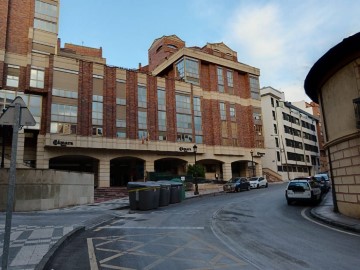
[
  {"x": 143, "y": 195},
  {"x": 175, "y": 192},
  {"x": 165, "y": 187},
  {"x": 182, "y": 189}
]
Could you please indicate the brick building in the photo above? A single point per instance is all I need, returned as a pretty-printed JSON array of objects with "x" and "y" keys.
[{"x": 121, "y": 124}]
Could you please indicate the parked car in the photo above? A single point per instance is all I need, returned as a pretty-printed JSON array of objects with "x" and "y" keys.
[
  {"x": 324, "y": 185},
  {"x": 303, "y": 190},
  {"x": 236, "y": 184},
  {"x": 258, "y": 182},
  {"x": 326, "y": 179}
]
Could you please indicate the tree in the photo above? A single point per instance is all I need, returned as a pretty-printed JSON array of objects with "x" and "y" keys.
[{"x": 196, "y": 170}]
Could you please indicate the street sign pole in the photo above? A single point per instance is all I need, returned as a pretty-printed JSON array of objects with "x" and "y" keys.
[
  {"x": 11, "y": 187},
  {"x": 16, "y": 115}
]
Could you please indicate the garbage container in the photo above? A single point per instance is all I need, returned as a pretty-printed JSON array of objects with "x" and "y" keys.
[
  {"x": 165, "y": 188},
  {"x": 182, "y": 190},
  {"x": 175, "y": 192},
  {"x": 143, "y": 195}
]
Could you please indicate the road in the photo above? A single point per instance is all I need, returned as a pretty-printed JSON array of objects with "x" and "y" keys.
[{"x": 248, "y": 230}]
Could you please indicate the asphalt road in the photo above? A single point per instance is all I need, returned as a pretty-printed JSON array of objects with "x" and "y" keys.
[{"x": 248, "y": 230}]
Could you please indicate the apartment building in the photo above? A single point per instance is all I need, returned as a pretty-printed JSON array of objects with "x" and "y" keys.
[
  {"x": 291, "y": 140},
  {"x": 122, "y": 124}
]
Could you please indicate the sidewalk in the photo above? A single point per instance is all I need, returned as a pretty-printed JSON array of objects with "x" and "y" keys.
[
  {"x": 325, "y": 212},
  {"x": 35, "y": 236}
]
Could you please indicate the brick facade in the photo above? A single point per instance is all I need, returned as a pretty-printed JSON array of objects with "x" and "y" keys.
[
  {"x": 109, "y": 127},
  {"x": 83, "y": 50},
  {"x": 85, "y": 101}
]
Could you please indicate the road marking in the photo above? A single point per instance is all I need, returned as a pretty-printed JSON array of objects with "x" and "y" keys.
[
  {"x": 92, "y": 256},
  {"x": 326, "y": 226},
  {"x": 150, "y": 228}
]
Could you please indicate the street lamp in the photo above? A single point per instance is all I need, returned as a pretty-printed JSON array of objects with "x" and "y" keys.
[
  {"x": 196, "y": 192},
  {"x": 252, "y": 162}
]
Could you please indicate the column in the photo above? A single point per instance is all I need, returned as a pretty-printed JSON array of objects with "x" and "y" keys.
[
  {"x": 227, "y": 174},
  {"x": 104, "y": 173},
  {"x": 41, "y": 161},
  {"x": 148, "y": 167}
]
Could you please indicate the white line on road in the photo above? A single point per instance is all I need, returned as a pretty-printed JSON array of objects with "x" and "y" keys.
[
  {"x": 92, "y": 256},
  {"x": 150, "y": 228},
  {"x": 329, "y": 227}
]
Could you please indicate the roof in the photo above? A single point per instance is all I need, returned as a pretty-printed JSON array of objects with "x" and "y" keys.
[{"x": 336, "y": 58}]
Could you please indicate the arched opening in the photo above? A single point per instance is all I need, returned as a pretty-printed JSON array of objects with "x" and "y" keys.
[
  {"x": 172, "y": 166},
  {"x": 124, "y": 170},
  {"x": 243, "y": 168},
  {"x": 76, "y": 163}
]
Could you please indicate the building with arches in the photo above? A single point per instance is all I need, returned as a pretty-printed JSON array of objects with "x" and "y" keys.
[{"x": 121, "y": 124}]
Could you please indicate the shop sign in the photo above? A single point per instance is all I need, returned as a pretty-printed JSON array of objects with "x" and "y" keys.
[
  {"x": 184, "y": 149},
  {"x": 62, "y": 143}
]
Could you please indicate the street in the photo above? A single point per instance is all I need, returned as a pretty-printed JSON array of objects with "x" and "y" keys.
[{"x": 248, "y": 230}]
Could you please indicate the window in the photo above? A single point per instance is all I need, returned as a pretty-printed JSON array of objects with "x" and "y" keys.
[
  {"x": 97, "y": 115},
  {"x": 230, "y": 78},
  {"x": 64, "y": 93},
  {"x": 232, "y": 112},
  {"x": 161, "y": 99},
  {"x": 184, "y": 123},
  {"x": 278, "y": 155},
  {"x": 45, "y": 8},
  {"x": 37, "y": 78},
  {"x": 197, "y": 117},
  {"x": 222, "y": 111},
  {"x": 63, "y": 118},
  {"x": 12, "y": 78},
  {"x": 275, "y": 129},
  {"x": 220, "y": 79},
  {"x": 162, "y": 120},
  {"x": 45, "y": 25},
  {"x": 183, "y": 104},
  {"x": 188, "y": 70},
  {"x": 161, "y": 110},
  {"x": 142, "y": 119},
  {"x": 197, "y": 106},
  {"x": 274, "y": 115},
  {"x": 254, "y": 88},
  {"x": 277, "y": 142},
  {"x": 142, "y": 97}
]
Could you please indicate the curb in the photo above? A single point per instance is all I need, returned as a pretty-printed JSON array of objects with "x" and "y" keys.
[
  {"x": 49, "y": 256},
  {"x": 352, "y": 228}
]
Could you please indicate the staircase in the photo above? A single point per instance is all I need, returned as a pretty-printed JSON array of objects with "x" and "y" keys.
[
  {"x": 109, "y": 193},
  {"x": 271, "y": 175}
]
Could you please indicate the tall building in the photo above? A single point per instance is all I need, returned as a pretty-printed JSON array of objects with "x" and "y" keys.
[
  {"x": 291, "y": 141},
  {"x": 123, "y": 124},
  {"x": 314, "y": 109}
]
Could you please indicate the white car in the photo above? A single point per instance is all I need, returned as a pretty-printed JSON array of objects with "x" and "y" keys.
[
  {"x": 258, "y": 182},
  {"x": 302, "y": 190}
]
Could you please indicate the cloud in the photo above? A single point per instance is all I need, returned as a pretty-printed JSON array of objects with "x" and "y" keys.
[{"x": 283, "y": 39}]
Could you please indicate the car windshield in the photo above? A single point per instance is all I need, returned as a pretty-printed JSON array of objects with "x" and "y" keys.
[
  {"x": 233, "y": 180},
  {"x": 298, "y": 186},
  {"x": 254, "y": 179}
]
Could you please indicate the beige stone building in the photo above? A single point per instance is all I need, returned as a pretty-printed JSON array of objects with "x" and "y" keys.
[{"x": 334, "y": 83}]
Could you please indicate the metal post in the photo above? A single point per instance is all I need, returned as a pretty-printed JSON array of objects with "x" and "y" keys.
[
  {"x": 196, "y": 192},
  {"x": 11, "y": 187},
  {"x": 3, "y": 147},
  {"x": 252, "y": 163}
]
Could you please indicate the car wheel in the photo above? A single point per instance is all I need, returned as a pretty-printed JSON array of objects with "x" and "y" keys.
[
  {"x": 258, "y": 186},
  {"x": 289, "y": 202},
  {"x": 236, "y": 189},
  {"x": 266, "y": 185}
]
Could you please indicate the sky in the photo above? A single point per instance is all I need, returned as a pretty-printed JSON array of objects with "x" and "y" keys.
[{"x": 282, "y": 38}]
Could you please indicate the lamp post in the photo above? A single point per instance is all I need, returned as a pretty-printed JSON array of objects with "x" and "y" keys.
[
  {"x": 3, "y": 147},
  {"x": 196, "y": 192},
  {"x": 252, "y": 163}
]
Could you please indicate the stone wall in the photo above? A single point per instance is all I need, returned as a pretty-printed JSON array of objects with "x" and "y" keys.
[
  {"x": 37, "y": 189},
  {"x": 346, "y": 176}
]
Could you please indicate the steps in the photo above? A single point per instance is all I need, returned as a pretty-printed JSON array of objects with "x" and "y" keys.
[{"x": 109, "y": 193}]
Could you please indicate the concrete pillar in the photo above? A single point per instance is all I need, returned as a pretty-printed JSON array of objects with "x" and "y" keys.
[
  {"x": 104, "y": 173},
  {"x": 226, "y": 168},
  {"x": 148, "y": 166},
  {"x": 20, "y": 146},
  {"x": 41, "y": 161}
]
